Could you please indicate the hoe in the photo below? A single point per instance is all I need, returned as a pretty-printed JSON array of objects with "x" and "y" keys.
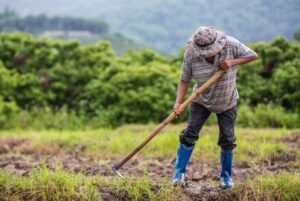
[{"x": 165, "y": 122}]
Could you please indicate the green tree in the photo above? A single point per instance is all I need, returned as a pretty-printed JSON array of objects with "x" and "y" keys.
[
  {"x": 297, "y": 35},
  {"x": 285, "y": 86},
  {"x": 133, "y": 94}
]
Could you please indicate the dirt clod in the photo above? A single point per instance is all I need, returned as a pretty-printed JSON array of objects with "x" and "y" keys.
[{"x": 280, "y": 157}]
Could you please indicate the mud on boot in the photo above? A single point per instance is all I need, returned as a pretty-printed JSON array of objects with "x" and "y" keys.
[
  {"x": 183, "y": 156},
  {"x": 179, "y": 180},
  {"x": 226, "y": 169}
]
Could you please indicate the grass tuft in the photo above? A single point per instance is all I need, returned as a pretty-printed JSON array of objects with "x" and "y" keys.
[
  {"x": 284, "y": 187},
  {"x": 145, "y": 188},
  {"x": 43, "y": 184}
]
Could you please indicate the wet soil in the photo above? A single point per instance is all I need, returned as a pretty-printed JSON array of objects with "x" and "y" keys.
[{"x": 18, "y": 157}]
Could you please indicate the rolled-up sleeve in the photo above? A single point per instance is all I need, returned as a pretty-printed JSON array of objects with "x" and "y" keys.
[
  {"x": 244, "y": 51},
  {"x": 186, "y": 70}
]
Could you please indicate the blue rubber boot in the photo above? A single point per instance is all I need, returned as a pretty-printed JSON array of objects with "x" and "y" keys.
[
  {"x": 183, "y": 156},
  {"x": 226, "y": 170}
]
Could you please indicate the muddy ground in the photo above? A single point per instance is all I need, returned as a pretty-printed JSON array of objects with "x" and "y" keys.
[{"x": 18, "y": 157}]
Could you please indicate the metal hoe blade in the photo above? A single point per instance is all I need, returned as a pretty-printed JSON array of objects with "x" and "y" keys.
[{"x": 114, "y": 168}]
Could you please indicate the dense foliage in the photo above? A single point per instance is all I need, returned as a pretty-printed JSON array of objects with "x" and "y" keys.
[
  {"x": 165, "y": 25},
  {"x": 297, "y": 35},
  {"x": 38, "y": 76}
]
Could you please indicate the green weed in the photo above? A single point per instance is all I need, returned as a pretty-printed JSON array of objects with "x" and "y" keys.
[
  {"x": 285, "y": 187},
  {"x": 43, "y": 184},
  {"x": 146, "y": 188}
]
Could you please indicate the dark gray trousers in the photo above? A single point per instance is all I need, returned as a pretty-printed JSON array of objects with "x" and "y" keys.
[{"x": 197, "y": 117}]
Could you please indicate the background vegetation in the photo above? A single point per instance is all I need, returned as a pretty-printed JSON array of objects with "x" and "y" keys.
[{"x": 56, "y": 84}]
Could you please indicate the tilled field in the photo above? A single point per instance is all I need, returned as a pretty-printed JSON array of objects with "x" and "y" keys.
[{"x": 18, "y": 157}]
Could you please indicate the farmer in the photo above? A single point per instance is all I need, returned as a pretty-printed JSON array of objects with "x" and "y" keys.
[{"x": 209, "y": 50}]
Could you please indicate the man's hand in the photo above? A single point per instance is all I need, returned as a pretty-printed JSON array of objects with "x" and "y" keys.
[
  {"x": 182, "y": 88},
  {"x": 176, "y": 109},
  {"x": 224, "y": 65},
  {"x": 227, "y": 63}
]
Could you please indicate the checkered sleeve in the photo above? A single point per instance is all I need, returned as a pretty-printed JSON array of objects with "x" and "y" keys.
[
  {"x": 244, "y": 51},
  {"x": 186, "y": 70}
]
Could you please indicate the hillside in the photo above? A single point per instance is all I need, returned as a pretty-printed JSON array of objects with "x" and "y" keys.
[
  {"x": 165, "y": 25},
  {"x": 85, "y": 30}
]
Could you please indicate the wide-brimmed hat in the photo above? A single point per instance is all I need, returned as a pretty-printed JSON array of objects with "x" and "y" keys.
[{"x": 206, "y": 42}]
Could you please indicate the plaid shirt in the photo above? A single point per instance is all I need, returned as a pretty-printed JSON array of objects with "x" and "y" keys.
[{"x": 223, "y": 94}]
